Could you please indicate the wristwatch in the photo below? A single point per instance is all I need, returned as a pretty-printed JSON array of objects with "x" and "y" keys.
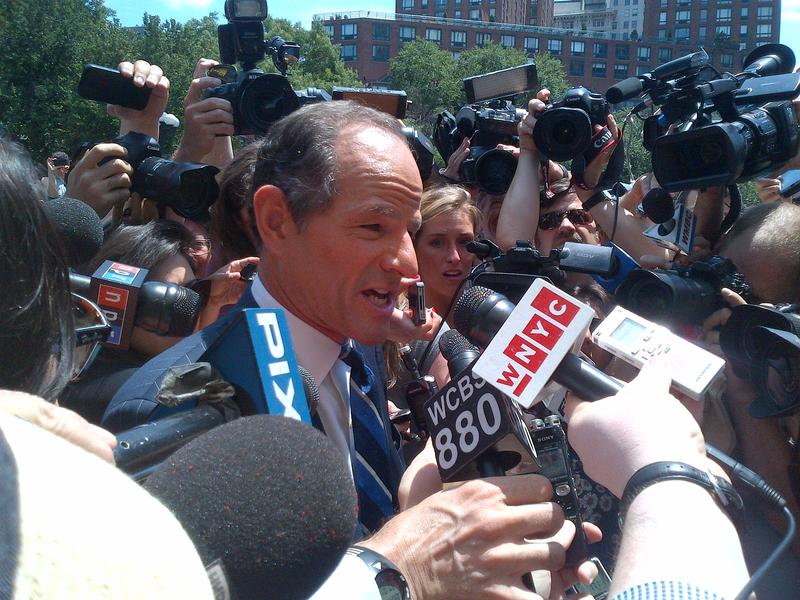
[{"x": 390, "y": 581}]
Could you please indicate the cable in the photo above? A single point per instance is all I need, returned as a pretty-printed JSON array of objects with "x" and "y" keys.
[{"x": 769, "y": 563}]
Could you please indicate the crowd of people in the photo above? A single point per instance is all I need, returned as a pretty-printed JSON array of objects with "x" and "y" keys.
[{"x": 329, "y": 208}]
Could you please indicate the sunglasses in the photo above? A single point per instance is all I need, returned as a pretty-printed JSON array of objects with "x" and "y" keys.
[
  {"x": 577, "y": 216},
  {"x": 91, "y": 330}
]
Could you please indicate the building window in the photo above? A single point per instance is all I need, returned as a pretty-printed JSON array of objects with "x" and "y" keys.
[
  {"x": 681, "y": 34},
  {"x": 329, "y": 30},
  {"x": 764, "y": 30},
  {"x": 598, "y": 22},
  {"x": 683, "y": 16},
  {"x": 578, "y": 49},
  {"x": 622, "y": 52},
  {"x": 423, "y": 4},
  {"x": 764, "y": 12},
  {"x": 642, "y": 69},
  {"x": 599, "y": 69},
  {"x": 664, "y": 55},
  {"x": 600, "y": 50},
  {"x": 380, "y": 53},
  {"x": 662, "y": 34},
  {"x": 745, "y": 12},
  {"x": 724, "y": 14},
  {"x": 508, "y": 41},
  {"x": 434, "y": 35},
  {"x": 349, "y": 52},
  {"x": 380, "y": 31},
  {"x": 701, "y": 33},
  {"x": 742, "y": 30},
  {"x": 457, "y": 14},
  {"x": 662, "y": 18},
  {"x": 531, "y": 45},
  {"x": 407, "y": 34},
  {"x": 576, "y": 68},
  {"x": 407, "y": 5},
  {"x": 703, "y": 15},
  {"x": 724, "y": 30},
  {"x": 441, "y": 3},
  {"x": 475, "y": 14},
  {"x": 620, "y": 71},
  {"x": 492, "y": 13},
  {"x": 643, "y": 53},
  {"x": 458, "y": 39},
  {"x": 349, "y": 31},
  {"x": 481, "y": 39},
  {"x": 726, "y": 59},
  {"x": 554, "y": 47}
]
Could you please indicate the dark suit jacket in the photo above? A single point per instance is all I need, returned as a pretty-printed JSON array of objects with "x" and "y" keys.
[{"x": 135, "y": 402}]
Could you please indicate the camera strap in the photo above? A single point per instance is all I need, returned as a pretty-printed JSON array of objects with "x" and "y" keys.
[{"x": 602, "y": 140}]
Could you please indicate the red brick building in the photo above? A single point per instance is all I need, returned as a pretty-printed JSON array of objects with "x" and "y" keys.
[{"x": 727, "y": 29}]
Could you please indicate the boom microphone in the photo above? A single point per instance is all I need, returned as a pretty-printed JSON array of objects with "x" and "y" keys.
[
  {"x": 270, "y": 498},
  {"x": 79, "y": 226},
  {"x": 480, "y": 313},
  {"x": 624, "y": 90}
]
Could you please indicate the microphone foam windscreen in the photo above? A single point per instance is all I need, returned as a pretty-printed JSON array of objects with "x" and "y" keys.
[
  {"x": 80, "y": 228},
  {"x": 309, "y": 388},
  {"x": 467, "y": 304},
  {"x": 268, "y": 495},
  {"x": 658, "y": 206},
  {"x": 453, "y": 343}
]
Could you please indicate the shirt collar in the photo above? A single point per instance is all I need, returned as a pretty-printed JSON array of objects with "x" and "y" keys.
[{"x": 314, "y": 350}]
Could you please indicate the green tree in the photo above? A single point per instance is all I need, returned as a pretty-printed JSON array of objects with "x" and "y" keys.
[
  {"x": 489, "y": 58},
  {"x": 428, "y": 76},
  {"x": 551, "y": 74}
]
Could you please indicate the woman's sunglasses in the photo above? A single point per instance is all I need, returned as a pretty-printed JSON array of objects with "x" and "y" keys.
[
  {"x": 91, "y": 330},
  {"x": 577, "y": 216}
]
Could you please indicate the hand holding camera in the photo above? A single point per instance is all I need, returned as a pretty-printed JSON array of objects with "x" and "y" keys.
[
  {"x": 206, "y": 120},
  {"x": 145, "y": 121},
  {"x": 102, "y": 178}
]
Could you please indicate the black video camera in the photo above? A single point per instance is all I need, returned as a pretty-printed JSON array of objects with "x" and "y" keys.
[
  {"x": 187, "y": 188},
  {"x": 489, "y": 118},
  {"x": 763, "y": 345},
  {"x": 565, "y": 129},
  {"x": 757, "y": 131},
  {"x": 684, "y": 294},
  {"x": 258, "y": 99}
]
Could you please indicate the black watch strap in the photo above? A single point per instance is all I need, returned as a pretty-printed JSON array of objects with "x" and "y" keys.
[
  {"x": 391, "y": 583},
  {"x": 722, "y": 491},
  {"x": 596, "y": 199}
]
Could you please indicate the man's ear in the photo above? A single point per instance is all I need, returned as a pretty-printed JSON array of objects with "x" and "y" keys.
[{"x": 273, "y": 220}]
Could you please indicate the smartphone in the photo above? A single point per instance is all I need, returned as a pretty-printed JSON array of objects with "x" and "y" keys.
[
  {"x": 416, "y": 302},
  {"x": 552, "y": 454},
  {"x": 248, "y": 273},
  {"x": 790, "y": 183},
  {"x": 61, "y": 162},
  {"x": 105, "y": 84}
]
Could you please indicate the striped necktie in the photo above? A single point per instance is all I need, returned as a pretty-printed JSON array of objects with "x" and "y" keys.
[{"x": 371, "y": 467}]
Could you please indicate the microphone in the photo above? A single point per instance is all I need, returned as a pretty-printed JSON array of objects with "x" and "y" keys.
[
  {"x": 476, "y": 430},
  {"x": 79, "y": 226},
  {"x": 268, "y": 501},
  {"x": 658, "y": 205},
  {"x": 624, "y": 90},
  {"x": 537, "y": 344},
  {"x": 162, "y": 308},
  {"x": 310, "y": 390}
]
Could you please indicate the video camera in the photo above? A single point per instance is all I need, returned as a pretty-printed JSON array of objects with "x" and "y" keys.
[
  {"x": 489, "y": 118},
  {"x": 763, "y": 345},
  {"x": 683, "y": 294},
  {"x": 757, "y": 130},
  {"x": 513, "y": 272},
  {"x": 258, "y": 99}
]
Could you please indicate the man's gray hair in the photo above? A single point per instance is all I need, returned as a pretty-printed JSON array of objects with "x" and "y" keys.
[{"x": 298, "y": 154}]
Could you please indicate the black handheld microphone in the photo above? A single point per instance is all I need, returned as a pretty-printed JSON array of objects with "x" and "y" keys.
[
  {"x": 162, "y": 308},
  {"x": 480, "y": 313},
  {"x": 658, "y": 205},
  {"x": 79, "y": 226},
  {"x": 269, "y": 498}
]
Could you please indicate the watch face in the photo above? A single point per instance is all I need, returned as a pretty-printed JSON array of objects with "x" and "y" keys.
[{"x": 391, "y": 585}]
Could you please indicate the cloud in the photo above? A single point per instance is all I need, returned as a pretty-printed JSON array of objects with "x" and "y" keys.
[{"x": 790, "y": 10}]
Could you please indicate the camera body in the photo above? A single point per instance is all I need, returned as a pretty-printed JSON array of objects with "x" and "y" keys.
[
  {"x": 188, "y": 188},
  {"x": 565, "y": 129},
  {"x": 684, "y": 294}
]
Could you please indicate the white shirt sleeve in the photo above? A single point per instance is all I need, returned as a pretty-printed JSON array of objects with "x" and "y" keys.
[{"x": 352, "y": 579}]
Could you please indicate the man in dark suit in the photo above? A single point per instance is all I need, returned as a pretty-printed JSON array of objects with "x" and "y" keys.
[{"x": 335, "y": 201}]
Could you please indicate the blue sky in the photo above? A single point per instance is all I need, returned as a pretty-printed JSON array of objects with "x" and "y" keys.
[{"x": 130, "y": 13}]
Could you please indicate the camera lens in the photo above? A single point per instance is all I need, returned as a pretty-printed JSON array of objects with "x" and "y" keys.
[
  {"x": 776, "y": 372},
  {"x": 264, "y": 100},
  {"x": 563, "y": 133},
  {"x": 188, "y": 188},
  {"x": 494, "y": 170},
  {"x": 661, "y": 295}
]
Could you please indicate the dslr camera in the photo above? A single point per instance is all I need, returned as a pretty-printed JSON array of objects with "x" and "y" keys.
[
  {"x": 187, "y": 188},
  {"x": 258, "y": 99},
  {"x": 756, "y": 132},
  {"x": 489, "y": 118},
  {"x": 565, "y": 129}
]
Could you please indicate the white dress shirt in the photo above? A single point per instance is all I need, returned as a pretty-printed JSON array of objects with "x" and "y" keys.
[{"x": 320, "y": 355}]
